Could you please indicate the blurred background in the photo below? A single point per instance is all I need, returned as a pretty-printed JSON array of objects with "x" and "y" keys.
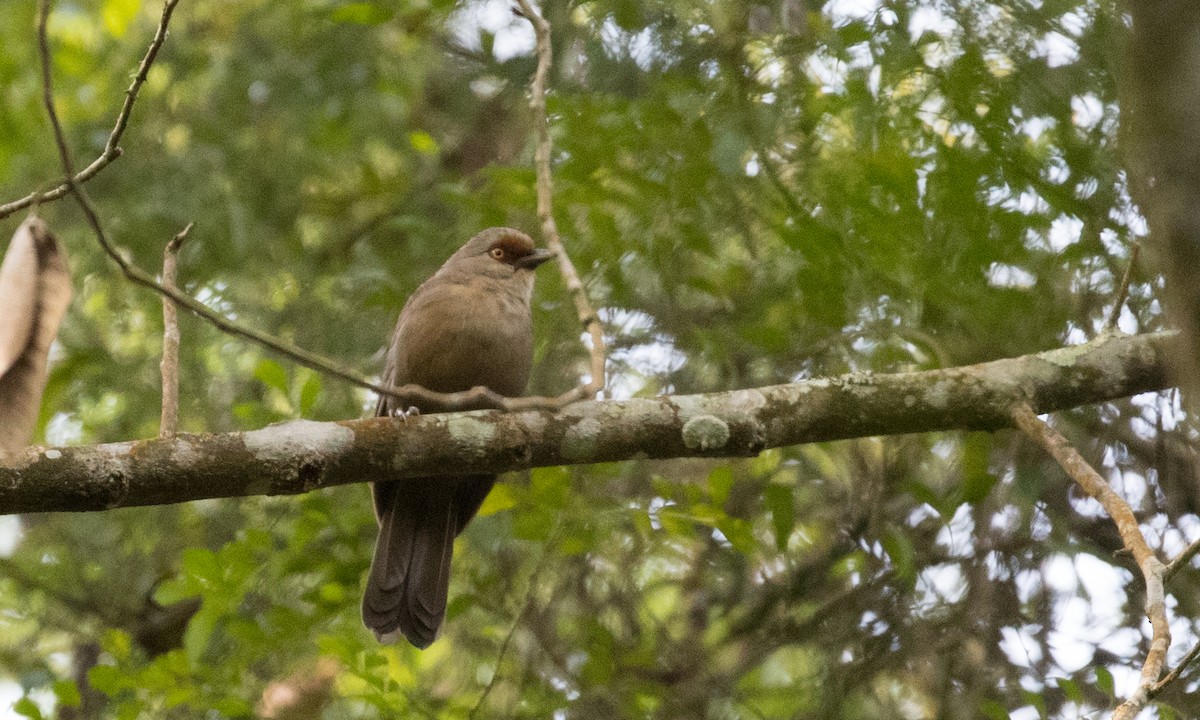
[{"x": 754, "y": 193}]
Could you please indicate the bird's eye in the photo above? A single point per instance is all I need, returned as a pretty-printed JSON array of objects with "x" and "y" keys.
[{"x": 498, "y": 253}]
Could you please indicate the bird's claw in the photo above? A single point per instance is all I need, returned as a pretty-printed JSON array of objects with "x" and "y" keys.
[{"x": 412, "y": 411}]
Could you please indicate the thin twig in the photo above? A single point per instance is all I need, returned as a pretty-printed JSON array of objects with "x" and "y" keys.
[
  {"x": 545, "y": 192},
  {"x": 526, "y": 606},
  {"x": 1123, "y": 290},
  {"x": 111, "y": 149},
  {"x": 475, "y": 398},
  {"x": 1177, "y": 671},
  {"x": 37, "y": 582},
  {"x": 134, "y": 273},
  {"x": 1152, "y": 568},
  {"x": 169, "y": 422},
  {"x": 1182, "y": 560}
]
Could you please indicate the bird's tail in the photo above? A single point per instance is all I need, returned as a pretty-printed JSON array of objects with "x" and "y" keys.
[{"x": 410, "y": 573}]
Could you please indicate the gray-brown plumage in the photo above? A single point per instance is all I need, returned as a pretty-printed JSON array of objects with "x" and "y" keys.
[{"x": 467, "y": 325}]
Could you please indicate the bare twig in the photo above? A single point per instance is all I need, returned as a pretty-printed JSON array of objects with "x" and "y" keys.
[
  {"x": 79, "y": 606},
  {"x": 475, "y": 398},
  {"x": 1123, "y": 290},
  {"x": 526, "y": 606},
  {"x": 1152, "y": 568},
  {"x": 1177, "y": 671},
  {"x": 1182, "y": 560},
  {"x": 169, "y": 366},
  {"x": 545, "y": 190},
  {"x": 111, "y": 149},
  {"x": 134, "y": 273}
]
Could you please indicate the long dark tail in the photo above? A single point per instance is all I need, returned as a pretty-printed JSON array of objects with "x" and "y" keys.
[{"x": 410, "y": 572}]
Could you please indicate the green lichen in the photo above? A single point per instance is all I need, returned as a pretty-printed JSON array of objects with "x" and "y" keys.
[
  {"x": 705, "y": 432},
  {"x": 580, "y": 441},
  {"x": 472, "y": 433}
]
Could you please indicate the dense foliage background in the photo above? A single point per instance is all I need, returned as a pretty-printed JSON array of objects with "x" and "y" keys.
[{"x": 754, "y": 193}]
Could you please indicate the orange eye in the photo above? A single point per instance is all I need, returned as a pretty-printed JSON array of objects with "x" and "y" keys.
[{"x": 498, "y": 253}]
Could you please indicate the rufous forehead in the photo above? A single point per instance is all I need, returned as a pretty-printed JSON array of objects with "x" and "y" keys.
[{"x": 514, "y": 244}]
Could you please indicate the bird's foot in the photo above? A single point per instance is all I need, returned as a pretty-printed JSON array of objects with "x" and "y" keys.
[{"x": 412, "y": 411}]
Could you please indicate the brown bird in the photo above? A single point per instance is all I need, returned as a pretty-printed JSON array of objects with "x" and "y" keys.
[{"x": 467, "y": 325}]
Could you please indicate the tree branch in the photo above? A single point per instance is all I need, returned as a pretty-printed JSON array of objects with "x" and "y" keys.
[
  {"x": 169, "y": 366},
  {"x": 1172, "y": 676},
  {"x": 1182, "y": 560},
  {"x": 111, "y": 149},
  {"x": 301, "y": 456},
  {"x": 1123, "y": 289},
  {"x": 1152, "y": 568},
  {"x": 477, "y": 397},
  {"x": 1161, "y": 109},
  {"x": 545, "y": 198}
]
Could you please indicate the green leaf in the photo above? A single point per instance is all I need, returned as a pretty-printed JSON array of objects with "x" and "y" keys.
[
  {"x": 67, "y": 693},
  {"x": 27, "y": 708},
  {"x": 233, "y": 707},
  {"x": 1070, "y": 689},
  {"x": 550, "y": 486},
  {"x": 423, "y": 142},
  {"x": 993, "y": 710},
  {"x": 199, "y": 630},
  {"x": 899, "y": 548},
  {"x": 108, "y": 679},
  {"x": 740, "y": 534},
  {"x": 977, "y": 481},
  {"x": 173, "y": 590},
  {"x": 203, "y": 564},
  {"x": 361, "y": 13},
  {"x": 720, "y": 482},
  {"x": 1104, "y": 681},
  {"x": 781, "y": 502},
  {"x": 118, "y": 14},
  {"x": 1037, "y": 700},
  {"x": 118, "y": 644},
  {"x": 332, "y": 593},
  {"x": 272, "y": 374},
  {"x": 501, "y": 498},
  {"x": 309, "y": 392}
]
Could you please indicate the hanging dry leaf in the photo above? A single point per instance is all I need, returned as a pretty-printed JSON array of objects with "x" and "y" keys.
[{"x": 35, "y": 288}]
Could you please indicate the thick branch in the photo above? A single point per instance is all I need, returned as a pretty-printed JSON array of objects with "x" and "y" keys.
[
  {"x": 302, "y": 456},
  {"x": 1162, "y": 113}
]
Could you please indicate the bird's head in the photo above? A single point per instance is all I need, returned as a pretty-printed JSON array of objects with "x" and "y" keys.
[{"x": 499, "y": 253}]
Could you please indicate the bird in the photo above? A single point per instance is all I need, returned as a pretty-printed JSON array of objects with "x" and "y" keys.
[{"x": 469, "y": 324}]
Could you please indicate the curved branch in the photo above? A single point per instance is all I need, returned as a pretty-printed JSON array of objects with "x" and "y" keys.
[
  {"x": 302, "y": 456},
  {"x": 1152, "y": 568},
  {"x": 478, "y": 397},
  {"x": 112, "y": 150},
  {"x": 545, "y": 193}
]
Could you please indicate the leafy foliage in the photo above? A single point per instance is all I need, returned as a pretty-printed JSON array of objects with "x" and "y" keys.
[{"x": 754, "y": 193}]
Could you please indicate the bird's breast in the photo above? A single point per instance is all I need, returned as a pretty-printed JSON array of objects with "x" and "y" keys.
[{"x": 454, "y": 336}]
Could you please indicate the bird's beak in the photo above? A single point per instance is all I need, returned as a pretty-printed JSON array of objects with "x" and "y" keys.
[{"x": 535, "y": 258}]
